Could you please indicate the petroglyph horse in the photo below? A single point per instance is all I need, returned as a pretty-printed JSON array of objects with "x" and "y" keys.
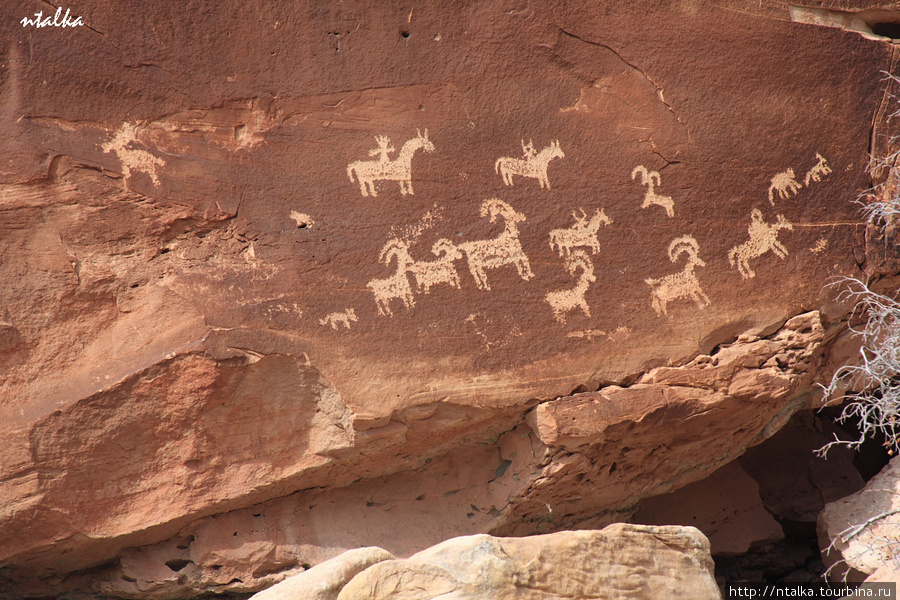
[
  {"x": 679, "y": 285},
  {"x": 582, "y": 233},
  {"x": 785, "y": 184},
  {"x": 495, "y": 252},
  {"x": 532, "y": 165},
  {"x": 397, "y": 285},
  {"x": 339, "y": 318},
  {"x": 819, "y": 170},
  {"x": 383, "y": 169},
  {"x": 563, "y": 301},
  {"x": 652, "y": 179},
  {"x": 763, "y": 237},
  {"x": 437, "y": 271}
]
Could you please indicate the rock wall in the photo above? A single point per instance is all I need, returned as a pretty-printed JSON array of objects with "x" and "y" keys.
[{"x": 260, "y": 262}]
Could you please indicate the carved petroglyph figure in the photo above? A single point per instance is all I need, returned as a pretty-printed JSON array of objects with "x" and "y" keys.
[
  {"x": 785, "y": 184},
  {"x": 339, "y": 318},
  {"x": 503, "y": 250},
  {"x": 582, "y": 233},
  {"x": 763, "y": 237},
  {"x": 820, "y": 246},
  {"x": 131, "y": 158},
  {"x": 819, "y": 170},
  {"x": 679, "y": 285},
  {"x": 437, "y": 271},
  {"x": 367, "y": 172},
  {"x": 397, "y": 285},
  {"x": 652, "y": 179},
  {"x": 532, "y": 165},
  {"x": 563, "y": 301}
]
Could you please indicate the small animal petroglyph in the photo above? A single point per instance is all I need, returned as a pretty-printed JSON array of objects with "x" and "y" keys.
[
  {"x": 763, "y": 237},
  {"x": 652, "y": 179},
  {"x": 785, "y": 184},
  {"x": 820, "y": 246},
  {"x": 437, "y": 271},
  {"x": 563, "y": 301},
  {"x": 130, "y": 157},
  {"x": 503, "y": 250},
  {"x": 339, "y": 318},
  {"x": 303, "y": 220},
  {"x": 679, "y": 285},
  {"x": 819, "y": 170},
  {"x": 582, "y": 233},
  {"x": 367, "y": 172},
  {"x": 531, "y": 164},
  {"x": 397, "y": 285}
]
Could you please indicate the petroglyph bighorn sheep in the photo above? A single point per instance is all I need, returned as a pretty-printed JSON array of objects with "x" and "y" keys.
[
  {"x": 339, "y": 318},
  {"x": 397, "y": 285},
  {"x": 763, "y": 237},
  {"x": 819, "y": 170},
  {"x": 503, "y": 250},
  {"x": 532, "y": 165},
  {"x": 679, "y": 285},
  {"x": 383, "y": 169},
  {"x": 652, "y": 179},
  {"x": 563, "y": 301},
  {"x": 582, "y": 233},
  {"x": 785, "y": 184},
  {"x": 438, "y": 271}
]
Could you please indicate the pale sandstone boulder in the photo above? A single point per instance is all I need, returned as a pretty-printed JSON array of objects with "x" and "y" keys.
[
  {"x": 621, "y": 561},
  {"x": 325, "y": 581},
  {"x": 860, "y": 534}
]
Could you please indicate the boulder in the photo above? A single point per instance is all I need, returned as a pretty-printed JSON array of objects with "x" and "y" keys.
[
  {"x": 621, "y": 561},
  {"x": 859, "y": 534}
]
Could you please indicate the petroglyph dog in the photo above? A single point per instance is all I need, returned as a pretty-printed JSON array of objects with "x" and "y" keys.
[
  {"x": 367, "y": 172},
  {"x": 679, "y": 285},
  {"x": 819, "y": 170},
  {"x": 785, "y": 184},
  {"x": 582, "y": 233},
  {"x": 563, "y": 301},
  {"x": 763, "y": 237},
  {"x": 437, "y": 271},
  {"x": 397, "y": 285},
  {"x": 339, "y": 318},
  {"x": 503, "y": 250},
  {"x": 532, "y": 165},
  {"x": 652, "y": 179}
]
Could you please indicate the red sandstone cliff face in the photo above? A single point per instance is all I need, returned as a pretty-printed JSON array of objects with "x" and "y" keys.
[{"x": 263, "y": 260}]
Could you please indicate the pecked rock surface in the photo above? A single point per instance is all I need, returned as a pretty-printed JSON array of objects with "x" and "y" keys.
[{"x": 276, "y": 280}]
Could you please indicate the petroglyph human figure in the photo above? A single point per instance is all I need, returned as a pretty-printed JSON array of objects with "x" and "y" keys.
[
  {"x": 503, "y": 250},
  {"x": 438, "y": 271},
  {"x": 533, "y": 165},
  {"x": 563, "y": 301},
  {"x": 582, "y": 233},
  {"x": 679, "y": 285},
  {"x": 397, "y": 285},
  {"x": 819, "y": 170},
  {"x": 763, "y": 237},
  {"x": 652, "y": 179},
  {"x": 339, "y": 318},
  {"x": 785, "y": 184},
  {"x": 367, "y": 172}
]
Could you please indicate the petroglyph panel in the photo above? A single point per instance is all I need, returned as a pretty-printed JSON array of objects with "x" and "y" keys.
[
  {"x": 367, "y": 172},
  {"x": 763, "y": 238},
  {"x": 532, "y": 164},
  {"x": 683, "y": 284}
]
